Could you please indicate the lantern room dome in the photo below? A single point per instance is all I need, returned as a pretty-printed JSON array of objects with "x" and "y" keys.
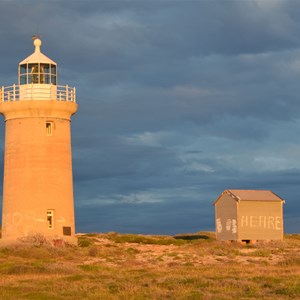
[{"x": 37, "y": 56}]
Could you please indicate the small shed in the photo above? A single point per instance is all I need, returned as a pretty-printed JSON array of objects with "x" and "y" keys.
[{"x": 249, "y": 215}]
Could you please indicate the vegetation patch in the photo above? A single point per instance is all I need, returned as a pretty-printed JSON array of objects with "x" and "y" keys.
[
  {"x": 260, "y": 253},
  {"x": 90, "y": 268},
  {"x": 85, "y": 241},
  {"x": 144, "y": 239},
  {"x": 124, "y": 266}
]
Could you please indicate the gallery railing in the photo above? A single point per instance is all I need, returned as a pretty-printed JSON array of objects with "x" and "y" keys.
[{"x": 37, "y": 92}]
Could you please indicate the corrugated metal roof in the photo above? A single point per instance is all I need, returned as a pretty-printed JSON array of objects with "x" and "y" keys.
[
  {"x": 255, "y": 195},
  {"x": 252, "y": 195}
]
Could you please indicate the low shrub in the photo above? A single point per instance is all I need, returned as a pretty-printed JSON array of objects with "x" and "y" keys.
[{"x": 84, "y": 241}]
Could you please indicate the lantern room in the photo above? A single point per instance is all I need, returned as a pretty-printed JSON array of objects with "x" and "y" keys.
[
  {"x": 37, "y": 75},
  {"x": 42, "y": 73},
  {"x": 37, "y": 68}
]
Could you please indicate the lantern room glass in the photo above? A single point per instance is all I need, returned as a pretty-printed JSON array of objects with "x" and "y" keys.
[{"x": 37, "y": 73}]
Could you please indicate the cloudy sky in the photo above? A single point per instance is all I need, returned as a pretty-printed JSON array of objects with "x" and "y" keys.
[{"x": 178, "y": 101}]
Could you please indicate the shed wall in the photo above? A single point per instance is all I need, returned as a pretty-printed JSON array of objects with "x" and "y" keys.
[
  {"x": 226, "y": 218},
  {"x": 260, "y": 220}
]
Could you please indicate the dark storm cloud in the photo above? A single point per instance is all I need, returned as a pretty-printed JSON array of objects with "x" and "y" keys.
[
  {"x": 178, "y": 100},
  {"x": 164, "y": 218}
]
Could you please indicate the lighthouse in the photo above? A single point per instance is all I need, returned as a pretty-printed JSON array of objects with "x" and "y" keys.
[{"x": 38, "y": 183}]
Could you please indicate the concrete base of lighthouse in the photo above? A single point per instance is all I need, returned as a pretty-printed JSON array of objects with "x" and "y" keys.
[{"x": 38, "y": 185}]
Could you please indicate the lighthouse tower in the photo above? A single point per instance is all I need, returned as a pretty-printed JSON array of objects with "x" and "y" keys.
[{"x": 37, "y": 184}]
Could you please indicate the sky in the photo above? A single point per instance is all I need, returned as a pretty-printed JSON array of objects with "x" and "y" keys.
[{"x": 178, "y": 101}]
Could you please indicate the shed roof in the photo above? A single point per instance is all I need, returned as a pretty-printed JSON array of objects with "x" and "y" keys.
[{"x": 251, "y": 195}]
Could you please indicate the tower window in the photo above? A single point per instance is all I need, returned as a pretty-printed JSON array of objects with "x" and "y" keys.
[
  {"x": 49, "y": 128},
  {"x": 66, "y": 230},
  {"x": 50, "y": 216}
]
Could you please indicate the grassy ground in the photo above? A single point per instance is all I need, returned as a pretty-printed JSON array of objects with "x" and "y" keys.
[{"x": 115, "y": 266}]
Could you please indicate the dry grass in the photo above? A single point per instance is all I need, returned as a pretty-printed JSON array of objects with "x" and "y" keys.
[{"x": 115, "y": 266}]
